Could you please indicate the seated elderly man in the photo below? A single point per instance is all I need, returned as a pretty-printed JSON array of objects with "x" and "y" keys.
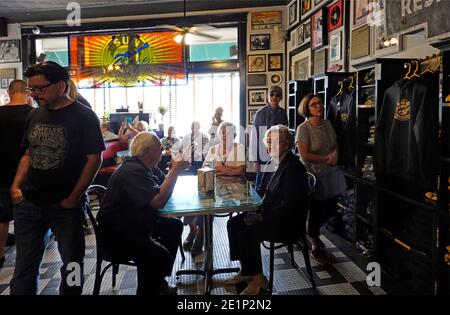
[
  {"x": 129, "y": 225},
  {"x": 282, "y": 216}
]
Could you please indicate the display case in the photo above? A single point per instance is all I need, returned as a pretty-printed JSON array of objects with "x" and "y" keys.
[{"x": 296, "y": 91}]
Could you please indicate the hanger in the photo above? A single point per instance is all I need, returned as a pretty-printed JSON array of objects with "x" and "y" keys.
[
  {"x": 415, "y": 75},
  {"x": 352, "y": 80},
  {"x": 341, "y": 84},
  {"x": 427, "y": 69},
  {"x": 406, "y": 77}
]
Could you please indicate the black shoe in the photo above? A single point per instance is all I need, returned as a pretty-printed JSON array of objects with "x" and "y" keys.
[
  {"x": 166, "y": 289},
  {"x": 11, "y": 241}
]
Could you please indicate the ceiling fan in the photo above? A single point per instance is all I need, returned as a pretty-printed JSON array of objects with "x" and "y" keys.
[{"x": 188, "y": 32}]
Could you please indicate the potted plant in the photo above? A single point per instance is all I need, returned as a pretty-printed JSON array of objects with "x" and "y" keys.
[{"x": 162, "y": 110}]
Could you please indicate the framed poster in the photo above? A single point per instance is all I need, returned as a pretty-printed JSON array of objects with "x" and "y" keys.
[
  {"x": 335, "y": 46},
  {"x": 251, "y": 115},
  {"x": 301, "y": 69},
  {"x": 306, "y": 7},
  {"x": 275, "y": 62},
  {"x": 318, "y": 26},
  {"x": 265, "y": 20},
  {"x": 320, "y": 61},
  {"x": 4, "y": 83},
  {"x": 260, "y": 42},
  {"x": 360, "y": 12},
  {"x": 335, "y": 16},
  {"x": 293, "y": 13},
  {"x": 257, "y": 97},
  {"x": 293, "y": 39},
  {"x": 307, "y": 31},
  {"x": 256, "y": 79},
  {"x": 256, "y": 63},
  {"x": 383, "y": 45},
  {"x": 9, "y": 50},
  {"x": 300, "y": 35},
  {"x": 360, "y": 42}
]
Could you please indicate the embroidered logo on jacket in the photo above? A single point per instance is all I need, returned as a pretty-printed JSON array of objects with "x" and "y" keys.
[
  {"x": 344, "y": 117},
  {"x": 402, "y": 111}
]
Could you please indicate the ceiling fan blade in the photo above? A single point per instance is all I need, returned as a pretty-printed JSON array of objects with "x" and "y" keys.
[{"x": 197, "y": 33}]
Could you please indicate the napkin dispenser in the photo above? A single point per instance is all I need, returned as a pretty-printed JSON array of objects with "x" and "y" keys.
[{"x": 205, "y": 179}]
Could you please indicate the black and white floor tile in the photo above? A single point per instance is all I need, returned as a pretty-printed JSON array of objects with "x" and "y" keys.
[{"x": 342, "y": 277}]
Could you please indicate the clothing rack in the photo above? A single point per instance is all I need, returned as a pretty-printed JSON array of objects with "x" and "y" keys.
[{"x": 417, "y": 67}]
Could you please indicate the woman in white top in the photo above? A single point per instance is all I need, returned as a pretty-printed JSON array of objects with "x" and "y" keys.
[{"x": 227, "y": 157}]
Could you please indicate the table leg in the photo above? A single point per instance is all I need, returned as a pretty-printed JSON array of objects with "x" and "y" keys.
[{"x": 208, "y": 264}]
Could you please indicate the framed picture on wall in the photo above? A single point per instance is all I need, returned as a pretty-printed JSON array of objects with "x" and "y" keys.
[
  {"x": 307, "y": 31},
  {"x": 335, "y": 46},
  {"x": 301, "y": 69},
  {"x": 10, "y": 50},
  {"x": 360, "y": 12},
  {"x": 293, "y": 39},
  {"x": 320, "y": 61},
  {"x": 260, "y": 42},
  {"x": 335, "y": 16},
  {"x": 251, "y": 115},
  {"x": 318, "y": 29},
  {"x": 300, "y": 35},
  {"x": 4, "y": 83},
  {"x": 265, "y": 20},
  {"x": 276, "y": 78},
  {"x": 383, "y": 45},
  {"x": 306, "y": 7},
  {"x": 293, "y": 13},
  {"x": 275, "y": 62},
  {"x": 259, "y": 79},
  {"x": 360, "y": 42},
  {"x": 257, "y": 97},
  {"x": 256, "y": 63}
]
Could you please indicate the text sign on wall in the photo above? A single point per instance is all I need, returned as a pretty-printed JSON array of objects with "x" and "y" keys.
[{"x": 406, "y": 15}]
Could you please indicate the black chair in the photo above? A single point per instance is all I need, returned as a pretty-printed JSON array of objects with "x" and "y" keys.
[
  {"x": 301, "y": 243},
  {"x": 95, "y": 193}
]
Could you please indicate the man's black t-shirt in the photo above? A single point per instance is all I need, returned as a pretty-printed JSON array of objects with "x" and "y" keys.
[
  {"x": 59, "y": 142},
  {"x": 12, "y": 126}
]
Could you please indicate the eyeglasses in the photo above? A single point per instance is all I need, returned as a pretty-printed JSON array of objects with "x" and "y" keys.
[
  {"x": 38, "y": 90},
  {"x": 275, "y": 94},
  {"x": 316, "y": 105}
]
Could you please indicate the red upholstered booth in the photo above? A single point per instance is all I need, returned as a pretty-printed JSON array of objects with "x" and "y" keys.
[{"x": 109, "y": 160}]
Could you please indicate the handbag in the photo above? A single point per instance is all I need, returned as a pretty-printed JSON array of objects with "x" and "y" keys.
[{"x": 330, "y": 184}]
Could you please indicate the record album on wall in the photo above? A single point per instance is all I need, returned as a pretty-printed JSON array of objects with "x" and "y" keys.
[{"x": 335, "y": 16}]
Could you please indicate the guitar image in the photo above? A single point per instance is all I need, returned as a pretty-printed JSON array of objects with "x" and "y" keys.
[{"x": 122, "y": 58}]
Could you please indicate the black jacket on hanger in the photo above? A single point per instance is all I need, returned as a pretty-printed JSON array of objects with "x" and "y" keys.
[
  {"x": 406, "y": 140},
  {"x": 341, "y": 113}
]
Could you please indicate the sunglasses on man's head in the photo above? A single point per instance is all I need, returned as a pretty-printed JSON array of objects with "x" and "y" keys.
[{"x": 275, "y": 94}]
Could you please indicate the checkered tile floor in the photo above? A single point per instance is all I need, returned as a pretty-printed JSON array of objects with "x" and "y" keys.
[{"x": 343, "y": 277}]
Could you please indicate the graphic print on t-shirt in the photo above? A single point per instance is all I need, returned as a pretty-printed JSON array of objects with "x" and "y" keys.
[{"x": 47, "y": 146}]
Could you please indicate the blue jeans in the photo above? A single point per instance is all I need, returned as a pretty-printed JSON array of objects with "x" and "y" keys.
[{"x": 32, "y": 225}]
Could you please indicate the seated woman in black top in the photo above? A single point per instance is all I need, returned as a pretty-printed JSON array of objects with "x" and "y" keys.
[
  {"x": 282, "y": 216},
  {"x": 129, "y": 224}
]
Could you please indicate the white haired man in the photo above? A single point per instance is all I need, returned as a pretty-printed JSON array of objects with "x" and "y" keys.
[{"x": 128, "y": 218}]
